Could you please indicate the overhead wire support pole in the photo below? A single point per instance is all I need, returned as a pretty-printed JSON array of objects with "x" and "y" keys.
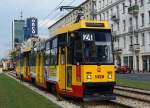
[
  {"x": 80, "y": 9},
  {"x": 70, "y": 7}
]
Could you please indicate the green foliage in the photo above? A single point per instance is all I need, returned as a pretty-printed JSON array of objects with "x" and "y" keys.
[
  {"x": 134, "y": 83},
  {"x": 13, "y": 54},
  {"x": 15, "y": 95}
]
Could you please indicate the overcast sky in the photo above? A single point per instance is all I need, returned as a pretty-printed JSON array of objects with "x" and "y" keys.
[{"x": 10, "y": 9}]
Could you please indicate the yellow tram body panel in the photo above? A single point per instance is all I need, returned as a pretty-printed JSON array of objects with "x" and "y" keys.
[
  {"x": 39, "y": 69},
  {"x": 95, "y": 73},
  {"x": 81, "y": 25},
  {"x": 18, "y": 67}
]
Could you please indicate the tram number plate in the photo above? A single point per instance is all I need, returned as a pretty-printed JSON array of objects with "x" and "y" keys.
[{"x": 99, "y": 76}]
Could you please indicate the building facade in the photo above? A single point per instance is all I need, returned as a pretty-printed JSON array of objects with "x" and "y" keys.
[
  {"x": 22, "y": 30},
  {"x": 130, "y": 23},
  {"x": 18, "y": 32},
  {"x": 31, "y": 28},
  {"x": 88, "y": 11}
]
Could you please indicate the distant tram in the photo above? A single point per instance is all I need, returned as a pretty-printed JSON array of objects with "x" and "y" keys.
[{"x": 76, "y": 62}]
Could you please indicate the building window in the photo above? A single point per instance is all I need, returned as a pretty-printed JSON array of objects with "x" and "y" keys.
[
  {"x": 103, "y": 16},
  {"x": 131, "y": 40},
  {"x": 118, "y": 25},
  {"x": 136, "y": 21},
  {"x": 135, "y": 1},
  {"x": 111, "y": 11},
  {"x": 142, "y": 19},
  {"x": 117, "y": 8},
  {"x": 106, "y": 2},
  {"x": 100, "y": 5},
  {"x": 103, "y": 3},
  {"x": 130, "y": 2},
  {"x": 118, "y": 42},
  {"x": 125, "y": 42},
  {"x": 137, "y": 39},
  {"x": 130, "y": 20},
  {"x": 149, "y": 16},
  {"x": 107, "y": 15},
  {"x": 149, "y": 38},
  {"x": 100, "y": 17},
  {"x": 124, "y": 25},
  {"x": 123, "y": 8},
  {"x": 142, "y": 2},
  {"x": 143, "y": 39}
]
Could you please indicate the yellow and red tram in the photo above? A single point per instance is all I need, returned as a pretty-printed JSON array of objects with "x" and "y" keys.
[{"x": 77, "y": 61}]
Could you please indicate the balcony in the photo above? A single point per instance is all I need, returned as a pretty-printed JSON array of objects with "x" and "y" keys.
[
  {"x": 94, "y": 12},
  {"x": 117, "y": 51},
  {"x": 114, "y": 33},
  {"x": 136, "y": 29},
  {"x": 134, "y": 10},
  {"x": 130, "y": 29},
  {"x": 134, "y": 47},
  {"x": 115, "y": 17},
  {"x": 131, "y": 47}
]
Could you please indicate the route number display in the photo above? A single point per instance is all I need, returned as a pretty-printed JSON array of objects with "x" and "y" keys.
[{"x": 88, "y": 37}]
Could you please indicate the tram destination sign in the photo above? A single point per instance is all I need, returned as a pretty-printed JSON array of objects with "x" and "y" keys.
[{"x": 95, "y": 25}]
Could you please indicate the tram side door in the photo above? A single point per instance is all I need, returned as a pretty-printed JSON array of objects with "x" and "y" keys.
[
  {"x": 62, "y": 74},
  {"x": 65, "y": 71}
]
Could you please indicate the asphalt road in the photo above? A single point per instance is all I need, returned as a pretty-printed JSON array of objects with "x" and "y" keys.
[{"x": 135, "y": 76}]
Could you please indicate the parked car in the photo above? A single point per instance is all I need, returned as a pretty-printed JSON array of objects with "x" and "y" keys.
[{"x": 123, "y": 69}]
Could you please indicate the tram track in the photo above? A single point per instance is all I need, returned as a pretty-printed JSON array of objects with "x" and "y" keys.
[
  {"x": 124, "y": 98},
  {"x": 134, "y": 97}
]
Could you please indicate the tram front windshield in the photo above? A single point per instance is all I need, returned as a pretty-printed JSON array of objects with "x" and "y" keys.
[{"x": 96, "y": 46}]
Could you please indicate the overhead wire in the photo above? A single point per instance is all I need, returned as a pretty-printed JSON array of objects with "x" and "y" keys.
[
  {"x": 52, "y": 11},
  {"x": 56, "y": 13}
]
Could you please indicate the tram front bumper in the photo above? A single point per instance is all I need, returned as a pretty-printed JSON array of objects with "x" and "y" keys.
[
  {"x": 101, "y": 97},
  {"x": 98, "y": 91}
]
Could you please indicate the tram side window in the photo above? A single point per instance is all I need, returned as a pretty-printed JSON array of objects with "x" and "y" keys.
[
  {"x": 70, "y": 51},
  {"x": 31, "y": 59},
  {"x": 47, "y": 57},
  {"x": 62, "y": 39},
  {"x": 34, "y": 59},
  {"x": 53, "y": 52},
  {"x": 78, "y": 49}
]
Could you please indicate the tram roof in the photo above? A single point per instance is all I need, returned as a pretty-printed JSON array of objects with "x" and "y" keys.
[{"x": 82, "y": 24}]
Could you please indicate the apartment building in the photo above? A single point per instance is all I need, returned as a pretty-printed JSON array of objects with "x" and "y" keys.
[{"x": 130, "y": 23}]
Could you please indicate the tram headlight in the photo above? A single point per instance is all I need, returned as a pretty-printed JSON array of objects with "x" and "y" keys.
[
  {"x": 109, "y": 75},
  {"x": 89, "y": 76}
]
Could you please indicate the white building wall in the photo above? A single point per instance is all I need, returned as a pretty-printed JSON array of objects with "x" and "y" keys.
[{"x": 107, "y": 8}]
